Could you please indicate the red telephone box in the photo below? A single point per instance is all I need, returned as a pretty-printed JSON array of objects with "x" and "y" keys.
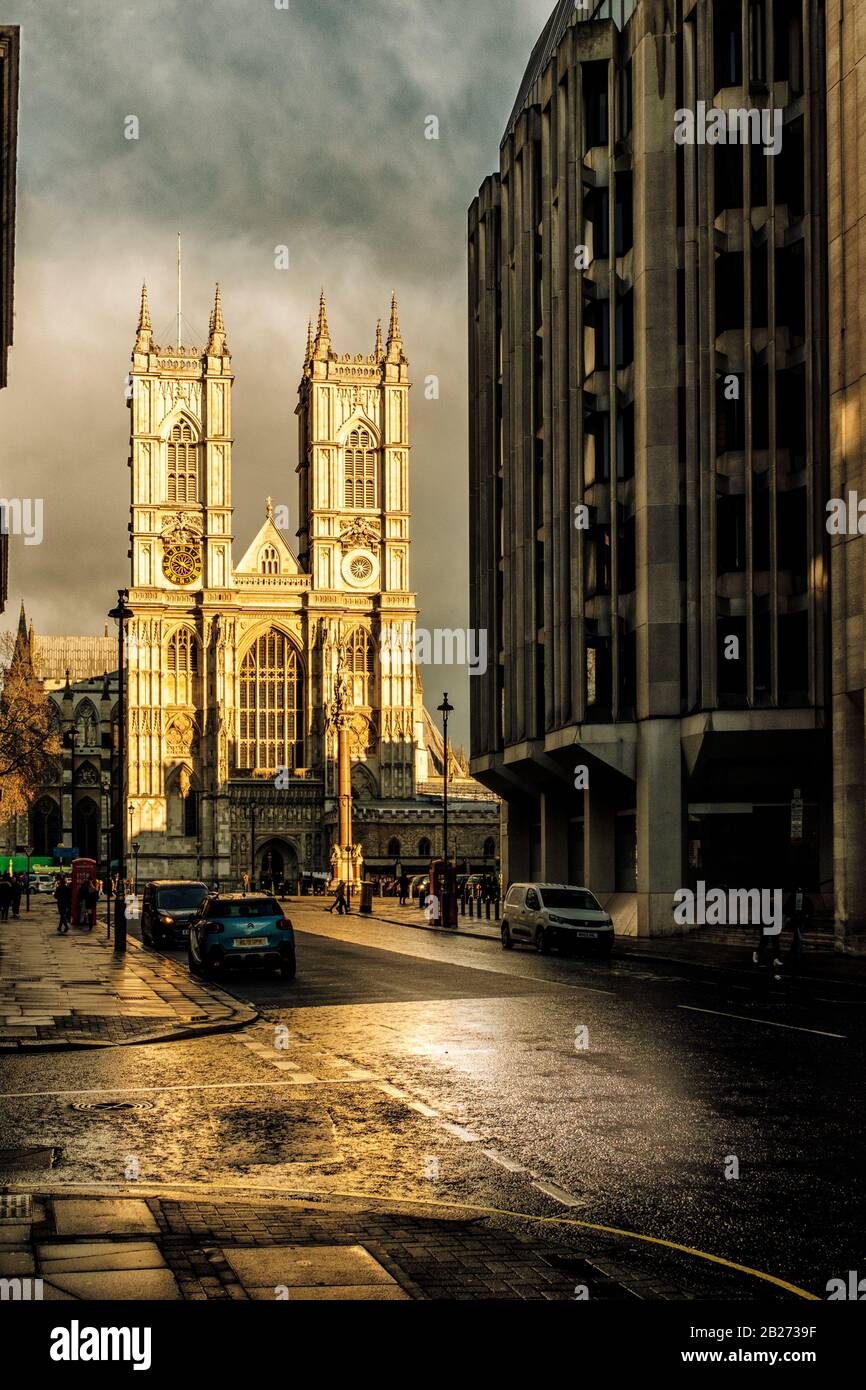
[
  {"x": 443, "y": 882},
  {"x": 83, "y": 870}
]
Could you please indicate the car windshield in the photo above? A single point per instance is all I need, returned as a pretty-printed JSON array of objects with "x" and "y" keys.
[
  {"x": 246, "y": 908},
  {"x": 570, "y": 899},
  {"x": 183, "y": 897}
]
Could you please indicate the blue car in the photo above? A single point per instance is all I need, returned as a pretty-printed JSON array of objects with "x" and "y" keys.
[{"x": 235, "y": 930}]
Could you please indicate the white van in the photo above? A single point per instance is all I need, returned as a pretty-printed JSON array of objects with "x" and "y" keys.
[{"x": 555, "y": 914}]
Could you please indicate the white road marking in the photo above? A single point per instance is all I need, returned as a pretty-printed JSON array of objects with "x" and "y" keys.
[
  {"x": 768, "y": 1022},
  {"x": 467, "y": 1135},
  {"x": 504, "y": 1161},
  {"x": 209, "y": 1086},
  {"x": 559, "y": 1194}
]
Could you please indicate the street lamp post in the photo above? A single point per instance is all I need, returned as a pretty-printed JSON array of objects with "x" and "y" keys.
[
  {"x": 252, "y": 815},
  {"x": 106, "y": 792},
  {"x": 445, "y": 709},
  {"x": 27, "y": 889},
  {"x": 120, "y": 614},
  {"x": 135, "y": 848}
]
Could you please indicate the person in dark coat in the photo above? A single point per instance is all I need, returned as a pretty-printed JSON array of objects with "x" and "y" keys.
[
  {"x": 339, "y": 899},
  {"x": 5, "y": 897},
  {"x": 404, "y": 889},
  {"x": 798, "y": 916},
  {"x": 17, "y": 890},
  {"x": 63, "y": 898},
  {"x": 91, "y": 902}
]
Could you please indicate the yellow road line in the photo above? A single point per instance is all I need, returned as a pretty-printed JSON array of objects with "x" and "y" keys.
[{"x": 251, "y": 1193}]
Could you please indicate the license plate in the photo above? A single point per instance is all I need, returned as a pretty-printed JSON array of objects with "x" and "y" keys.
[
  {"x": 252, "y": 941},
  {"x": 588, "y": 935}
]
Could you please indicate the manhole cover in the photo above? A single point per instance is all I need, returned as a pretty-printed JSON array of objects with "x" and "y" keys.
[
  {"x": 110, "y": 1105},
  {"x": 25, "y": 1160},
  {"x": 16, "y": 1208}
]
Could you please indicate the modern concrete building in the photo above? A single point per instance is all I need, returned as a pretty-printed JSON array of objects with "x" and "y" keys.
[
  {"x": 649, "y": 454},
  {"x": 846, "y": 156},
  {"x": 9, "y": 47}
]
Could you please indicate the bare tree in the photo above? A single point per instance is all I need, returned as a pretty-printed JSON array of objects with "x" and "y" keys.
[{"x": 29, "y": 742}]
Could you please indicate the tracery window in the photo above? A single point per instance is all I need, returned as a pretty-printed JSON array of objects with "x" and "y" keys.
[
  {"x": 269, "y": 560},
  {"x": 182, "y": 464},
  {"x": 361, "y": 660},
  {"x": 361, "y": 458},
  {"x": 270, "y": 734},
  {"x": 181, "y": 666}
]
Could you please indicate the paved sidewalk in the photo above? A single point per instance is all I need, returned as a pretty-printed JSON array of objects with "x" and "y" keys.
[
  {"x": 72, "y": 991},
  {"x": 115, "y": 1247}
]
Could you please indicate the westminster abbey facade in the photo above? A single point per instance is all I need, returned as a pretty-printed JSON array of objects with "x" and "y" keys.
[{"x": 232, "y": 666}]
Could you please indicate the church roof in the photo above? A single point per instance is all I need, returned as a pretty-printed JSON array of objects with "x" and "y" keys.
[{"x": 268, "y": 535}]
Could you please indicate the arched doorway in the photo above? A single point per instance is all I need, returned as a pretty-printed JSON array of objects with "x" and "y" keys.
[
  {"x": 85, "y": 828},
  {"x": 45, "y": 828},
  {"x": 276, "y": 861}
]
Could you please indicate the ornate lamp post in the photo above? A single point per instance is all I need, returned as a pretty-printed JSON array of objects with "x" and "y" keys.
[
  {"x": 120, "y": 614},
  {"x": 135, "y": 848},
  {"x": 345, "y": 856},
  {"x": 27, "y": 889},
  {"x": 445, "y": 709}
]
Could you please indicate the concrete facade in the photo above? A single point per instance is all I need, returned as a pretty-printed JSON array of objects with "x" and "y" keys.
[
  {"x": 648, "y": 457},
  {"x": 846, "y": 151}
]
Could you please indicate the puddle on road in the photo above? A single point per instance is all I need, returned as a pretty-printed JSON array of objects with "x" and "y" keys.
[{"x": 250, "y": 1135}]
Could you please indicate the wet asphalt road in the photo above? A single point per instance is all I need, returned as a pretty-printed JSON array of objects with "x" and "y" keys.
[{"x": 407, "y": 1063}]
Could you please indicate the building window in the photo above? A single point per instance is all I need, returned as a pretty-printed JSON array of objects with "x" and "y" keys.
[
  {"x": 596, "y": 108},
  {"x": 360, "y": 469},
  {"x": 45, "y": 832},
  {"x": 424, "y": 849},
  {"x": 190, "y": 814},
  {"x": 489, "y": 847},
  {"x": 271, "y": 702},
  {"x": 758, "y": 41},
  {"x": 182, "y": 464},
  {"x": 728, "y": 44},
  {"x": 181, "y": 666},
  {"x": 269, "y": 560},
  {"x": 394, "y": 849},
  {"x": 361, "y": 660},
  {"x": 85, "y": 828}
]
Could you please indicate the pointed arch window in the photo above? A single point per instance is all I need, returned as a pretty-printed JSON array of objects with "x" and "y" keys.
[
  {"x": 269, "y": 560},
  {"x": 271, "y": 705},
  {"x": 361, "y": 661},
  {"x": 182, "y": 463},
  {"x": 181, "y": 666},
  {"x": 361, "y": 457}
]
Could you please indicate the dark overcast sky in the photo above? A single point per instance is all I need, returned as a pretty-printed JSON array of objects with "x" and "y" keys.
[{"x": 258, "y": 127}]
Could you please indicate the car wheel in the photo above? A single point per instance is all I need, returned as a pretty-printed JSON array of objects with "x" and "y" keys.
[
  {"x": 194, "y": 967},
  {"x": 288, "y": 968},
  {"x": 542, "y": 942},
  {"x": 507, "y": 943}
]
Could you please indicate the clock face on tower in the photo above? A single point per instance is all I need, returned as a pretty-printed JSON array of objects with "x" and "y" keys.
[{"x": 181, "y": 564}]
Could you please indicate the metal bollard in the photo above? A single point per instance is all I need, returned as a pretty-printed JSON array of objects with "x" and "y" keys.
[
  {"x": 463, "y": 905},
  {"x": 496, "y": 909},
  {"x": 487, "y": 909},
  {"x": 471, "y": 907}
]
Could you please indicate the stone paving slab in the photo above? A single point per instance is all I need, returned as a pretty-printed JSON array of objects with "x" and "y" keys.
[
  {"x": 93, "y": 1247},
  {"x": 71, "y": 991}
]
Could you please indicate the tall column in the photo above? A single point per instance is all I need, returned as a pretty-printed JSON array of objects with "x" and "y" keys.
[
  {"x": 659, "y": 825},
  {"x": 554, "y": 838},
  {"x": 515, "y": 842},
  {"x": 599, "y": 843}
]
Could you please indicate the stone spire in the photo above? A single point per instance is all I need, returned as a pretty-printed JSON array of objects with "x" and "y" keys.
[
  {"x": 395, "y": 342},
  {"x": 309, "y": 352},
  {"x": 379, "y": 349},
  {"x": 216, "y": 341},
  {"x": 144, "y": 332},
  {"x": 269, "y": 509},
  {"x": 322, "y": 344}
]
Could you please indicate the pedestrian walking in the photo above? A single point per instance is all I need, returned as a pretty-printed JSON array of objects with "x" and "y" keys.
[
  {"x": 431, "y": 909},
  {"x": 5, "y": 897},
  {"x": 339, "y": 899},
  {"x": 17, "y": 890},
  {"x": 63, "y": 898},
  {"x": 90, "y": 898},
  {"x": 798, "y": 916},
  {"x": 404, "y": 889}
]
